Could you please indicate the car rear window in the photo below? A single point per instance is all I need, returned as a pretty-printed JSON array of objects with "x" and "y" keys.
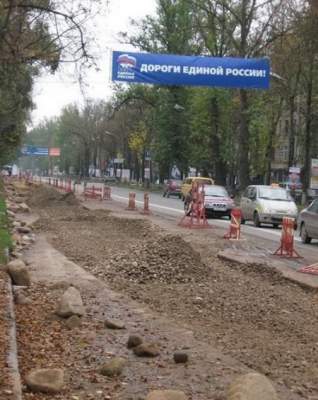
[
  {"x": 271, "y": 193},
  {"x": 215, "y": 191},
  {"x": 205, "y": 181}
]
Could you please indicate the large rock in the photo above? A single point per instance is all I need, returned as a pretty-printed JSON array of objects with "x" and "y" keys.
[
  {"x": 167, "y": 395},
  {"x": 114, "y": 367},
  {"x": 134, "y": 341},
  {"x": 70, "y": 304},
  {"x": 19, "y": 273},
  {"x": 73, "y": 322},
  {"x": 21, "y": 299},
  {"x": 24, "y": 207},
  {"x": 252, "y": 386},
  {"x": 146, "y": 350},
  {"x": 24, "y": 229},
  {"x": 180, "y": 358},
  {"x": 45, "y": 380},
  {"x": 114, "y": 324}
]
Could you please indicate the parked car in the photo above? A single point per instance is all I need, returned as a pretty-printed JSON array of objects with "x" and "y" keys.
[
  {"x": 267, "y": 204},
  {"x": 217, "y": 201},
  {"x": 308, "y": 222},
  {"x": 172, "y": 188},
  {"x": 187, "y": 184}
]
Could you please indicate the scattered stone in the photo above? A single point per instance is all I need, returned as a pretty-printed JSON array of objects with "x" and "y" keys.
[
  {"x": 73, "y": 322},
  {"x": 20, "y": 199},
  {"x": 13, "y": 208},
  {"x": 146, "y": 350},
  {"x": 114, "y": 367},
  {"x": 45, "y": 380},
  {"x": 180, "y": 358},
  {"x": 19, "y": 273},
  {"x": 134, "y": 341},
  {"x": 10, "y": 213},
  {"x": 20, "y": 298},
  {"x": 167, "y": 395},
  {"x": 250, "y": 387},
  {"x": 24, "y": 207},
  {"x": 113, "y": 324},
  {"x": 24, "y": 229},
  {"x": 70, "y": 304}
]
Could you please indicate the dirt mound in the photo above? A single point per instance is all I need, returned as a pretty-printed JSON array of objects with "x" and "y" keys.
[
  {"x": 167, "y": 260},
  {"x": 44, "y": 196}
]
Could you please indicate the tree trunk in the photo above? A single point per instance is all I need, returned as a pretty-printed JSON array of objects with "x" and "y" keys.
[
  {"x": 86, "y": 160},
  {"x": 219, "y": 164},
  {"x": 243, "y": 146},
  {"x": 307, "y": 158},
  {"x": 269, "y": 155},
  {"x": 292, "y": 133}
]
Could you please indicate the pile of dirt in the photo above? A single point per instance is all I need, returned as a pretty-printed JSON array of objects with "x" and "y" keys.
[
  {"x": 168, "y": 259},
  {"x": 45, "y": 196},
  {"x": 249, "y": 312}
]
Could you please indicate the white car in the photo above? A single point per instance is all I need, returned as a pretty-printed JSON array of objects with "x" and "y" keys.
[{"x": 267, "y": 204}]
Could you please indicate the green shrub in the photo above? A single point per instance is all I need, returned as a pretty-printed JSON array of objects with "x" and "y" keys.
[{"x": 5, "y": 237}]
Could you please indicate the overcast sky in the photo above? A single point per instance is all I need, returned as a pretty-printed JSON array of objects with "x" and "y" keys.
[{"x": 52, "y": 93}]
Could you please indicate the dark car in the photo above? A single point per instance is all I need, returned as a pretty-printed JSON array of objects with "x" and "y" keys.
[
  {"x": 308, "y": 222},
  {"x": 172, "y": 188},
  {"x": 217, "y": 201}
]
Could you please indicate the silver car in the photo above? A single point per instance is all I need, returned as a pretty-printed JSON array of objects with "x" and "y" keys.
[
  {"x": 308, "y": 222},
  {"x": 267, "y": 204}
]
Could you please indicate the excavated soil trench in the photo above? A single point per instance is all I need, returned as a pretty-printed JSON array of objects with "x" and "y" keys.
[{"x": 251, "y": 314}]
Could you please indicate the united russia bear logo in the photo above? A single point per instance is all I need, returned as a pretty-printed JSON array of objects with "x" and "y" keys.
[{"x": 126, "y": 62}]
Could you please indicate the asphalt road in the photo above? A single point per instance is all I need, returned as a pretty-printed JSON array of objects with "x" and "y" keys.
[{"x": 173, "y": 207}]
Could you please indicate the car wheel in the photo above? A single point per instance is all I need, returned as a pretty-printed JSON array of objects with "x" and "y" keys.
[
  {"x": 304, "y": 235},
  {"x": 256, "y": 220},
  {"x": 168, "y": 195},
  {"x": 275, "y": 226},
  {"x": 243, "y": 221}
]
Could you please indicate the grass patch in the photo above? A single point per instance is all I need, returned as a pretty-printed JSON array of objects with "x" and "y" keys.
[{"x": 5, "y": 237}]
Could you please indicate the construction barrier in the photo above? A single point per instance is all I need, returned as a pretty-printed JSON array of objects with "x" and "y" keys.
[
  {"x": 68, "y": 186},
  {"x": 311, "y": 269},
  {"x": 93, "y": 192},
  {"x": 107, "y": 193},
  {"x": 286, "y": 248},
  {"x": 146, "y": 210},
  {"x": 235, "y": 225},
  {"x": 195, "y": 216},
  {"x": 132, "y": 202}
]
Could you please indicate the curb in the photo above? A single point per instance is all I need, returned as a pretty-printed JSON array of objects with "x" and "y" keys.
[{"x": 13, "y": 349}]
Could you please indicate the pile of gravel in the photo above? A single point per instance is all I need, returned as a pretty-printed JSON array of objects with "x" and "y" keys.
[{"x": 167, "y": 260}]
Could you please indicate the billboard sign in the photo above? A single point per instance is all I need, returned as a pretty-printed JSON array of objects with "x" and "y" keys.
[
  {"x": 166, "y": 69},
  {"x": 294, "y": 178},
  {"x": 55, "y": 152},
  {"x": 34, "y": 151},
  {"x": 314, "y": 174}
]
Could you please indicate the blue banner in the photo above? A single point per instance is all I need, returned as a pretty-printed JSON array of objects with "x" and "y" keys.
[
  {"x": 163, "y": 69},
  {"x": 34, "y": 151}
]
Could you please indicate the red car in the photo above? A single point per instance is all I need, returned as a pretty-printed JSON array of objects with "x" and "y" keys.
[
  {"x": 217, "y": 202},
  {"x": 172, "y": 188}
]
